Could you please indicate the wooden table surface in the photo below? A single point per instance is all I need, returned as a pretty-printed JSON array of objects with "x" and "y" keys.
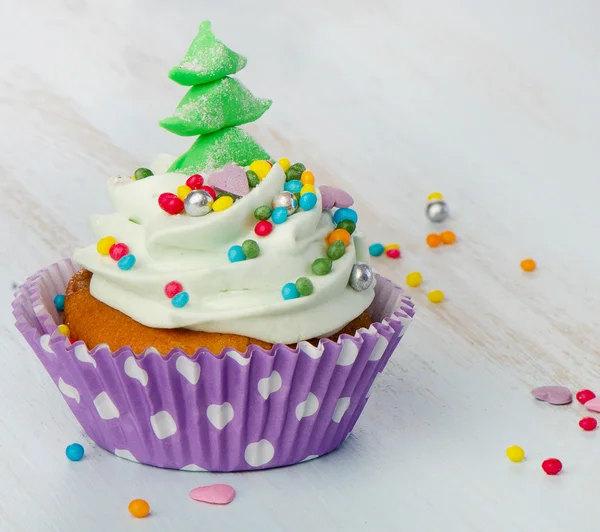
[{"x": 493, "y": 103}]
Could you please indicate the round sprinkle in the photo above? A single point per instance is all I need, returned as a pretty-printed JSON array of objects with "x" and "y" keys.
[
  {"x": 322, "y": 266},
  {"x": 104, "y": 244},
  {"x": 345, "y": 214},
  {"x": 414, "y": 279},
  {"x": 284, "y": 162},
  {"x": 139, "y": 508},
  {"x": 376, "y": 249},
  {"x": 348, "y": 225},
  {"x": 336, "y": 250},
  {"x": 142, "y": 173},
  {"x": 294, "y": 186},
  {"x": 289, "y": 291},
  {"x": 195, "y": 181},
  {"x": 588, "y": 423},
  {"x": 170, "y": 203},
  {"x": 433, "y": 240},
  {"x": 64, "y": 330},
  {"x": 528, "y": 265},
  {"x": 260, "y": 168},
  {"x": 253, "y": 180},
  {"x": 236, "y": 254},
  {"x": 307, "y": 188},
  {"x": 515, "y": 453},
  {"x": 391, "y": 246},
  {"x": 173, "y": 288},
  {"x": 304, "y": 286},
  {"x": 59, "y": 302},
  {"x": 393, "y": 253},
  {"x": 180, "y": 300},
  {"x": 222, "y": 203},
  {"x": 307, "y": 178},
  {"x": 339, "y": 234},
  {"x": 308, "y": 201},
  {"x": 210, "y": 190},
  {"x": 448, "y": 237},
  {"x": 584, "y": 396},
  {"x": 280, "y": 215},
  {"x": 183, "y": 191},
  {"x": 435, "y": 296},
  {"x": 552, "y": 466},
  {"x": 251, "y": 249},
  {"x": 74, "y": 452},
  {"x": 295, "y": 171},
  {"x": 118, "y": 251},
  {"x": 263, "y": 212},
  {"x": 263, "y": 228},
  {"x": 127, "y": 262},
  {"x": 435, "y": 196}
]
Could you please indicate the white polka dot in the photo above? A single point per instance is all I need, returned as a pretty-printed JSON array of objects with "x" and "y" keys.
[
  {"x": 68, "y": 390},
  {"x": 310, "y": 457},
  {"x": 45, "y": 343},
  {"x": 259, "y": 453},
  {"x": 188, "y": 368},
  {"x": 124, "y": 453},
  {"x": 105, "y": 407},
  {"x": 340, "y": 409},
  {"x": 348, "y": 353},
  {"x": 220, "y": 415},
  {"x": 163, "y": 424},
  {"x": 83, "y": 355},
  {"x": 241, "y": 360},
  {"x": 307, "y": 408},
  {"x": 135, "y": 372},
  {"x": 151, "y": 351},
  {"x": 192, "y": 467},
  {"x": 311, "y": 350},
  {"x": 270, "y": 384},
  {"x": 379, "y": 348}
]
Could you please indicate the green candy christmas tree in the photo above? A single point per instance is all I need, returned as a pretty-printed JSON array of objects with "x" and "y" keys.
[{"x": 212, "y": 108}]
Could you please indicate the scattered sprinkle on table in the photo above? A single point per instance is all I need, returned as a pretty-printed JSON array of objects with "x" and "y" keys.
[
  {"x": 393, "y": 253},
  {"x": 528, "y": 265},
  {"x": 588, "y": 423},
  {"x": 552, "y": 466},
  {"x": 414, "y": 279},
  {"x": 448, "y": 237},
  {"x": 139, "y": 508},
  {"x": 377, "y": 249},
  {"x": 433, "y": 240},
  {"x": 583, "y": 396},
  {"x": 435, "y": 296},
  {"x": 593, "y": 404},
  {"x": 435, "y": 196},
  {"x": 515, "y": 453},
  {"x": 74, "y": 452}
]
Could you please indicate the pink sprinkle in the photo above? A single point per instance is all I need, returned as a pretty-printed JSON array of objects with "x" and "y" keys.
[
  {"x": 215, "y": 494},
  {"x": 173, "y": 288},
  {"x": 118, "y": 251}
]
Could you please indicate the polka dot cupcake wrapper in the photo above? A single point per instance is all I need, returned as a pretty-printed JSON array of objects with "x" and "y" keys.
[{"x": 231, "y": 412}]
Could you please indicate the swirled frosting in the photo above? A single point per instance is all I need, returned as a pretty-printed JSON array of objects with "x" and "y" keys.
[{"x": 239, "y": 298}]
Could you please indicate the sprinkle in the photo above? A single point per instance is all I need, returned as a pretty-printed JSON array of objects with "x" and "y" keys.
[
  {"x": 222, "y": 203},
  {"x": 284, "y": 162},
  {"x": 104, "y": 244},
  {"x": 295, "y": 171},
  {"x": 435, "y": 196},
  {"x": 377, "y": 249},
  {"x": 263, "y": 212},
  {"x": 588, "y": 423},
  {"x": 127, "y": 262},
  {"x": 435, "y": 296},
  {"x": 348, "y": 225},
  {"x": 236, "y": 254},
  {"x": 253, "y": 180},
  {"x": 118, "y": 251},
  {"x": 308, "y": 201},
  {"x": 210, "y": 190},
  {"x": 433, "y": 240},
  {"x": 289, "y": 291},
  {"x": 59, "y": 302},
  {"x": 321, "y": 266},
  {"x": 180, "y": 300},
  {"x": 345, "y": 214},
  {"x": 554, "y": 395},
  {"x": 339, "y": 234},
  {"x": 215, "y": 494},
  {"x": 142, "y": 173},
  {"x": 183, "y": 191},
  {"x": 260, "y": 168},
  {"x": 170, "y": 203},
  {"x": 263, "y": 228},
  {"x": 552, "y": 466},
  {"x": 74, "y": 452},
  {"x": 391, "y": 246},
  {"x": 414, "y": 279},
  {"x": 307, "y": 178},
  {"x": 64, "y": 330},
  {"x": 593, "y": 404},
  {"x": 393, "y": 253},
  {"x": 528, "y": 265},
  {"x": 307, "y": 188},
  {"x": 448, "y": 237},
  {"x": 336, "y": 250},
  {"x": 139, "y": 508},
  {"x": 294, "y": 186},
  {"x": 173, "y": 288},
  {"x": 250, "y": 248},
  {"x": 584, "y": 396},
  {"x": 304, "y": 286},
  {"x": 195, "y": 181},
  {"x": 280, "y": 215},
  {"x": 515, "y": 453}
]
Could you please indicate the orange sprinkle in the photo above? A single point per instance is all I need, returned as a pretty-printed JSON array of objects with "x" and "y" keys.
[
  {"x": 139, "y": 508},
  {"x": 433, "y": 240},
  {"x": 448, "y": 237},
  {"x": 528, "y": 265},
  {"x": 339, "y": 234},
  {"x": 307, "y": 178}
]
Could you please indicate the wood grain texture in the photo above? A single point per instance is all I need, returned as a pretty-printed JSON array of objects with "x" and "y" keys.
[{"x": 494, "y": 104}]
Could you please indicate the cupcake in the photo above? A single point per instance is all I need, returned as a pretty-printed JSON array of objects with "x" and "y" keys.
[{"x": 227, "y": 317}]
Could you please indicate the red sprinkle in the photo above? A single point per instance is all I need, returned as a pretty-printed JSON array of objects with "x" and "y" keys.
[
  {"x": 195, "y": 181},
  {"x": 210, "y": 190},
  {"x": 552, "y": 466},
  {"x": 263, "y": 228},
  {"x": 393, "y": 253},
  {"x": 173, "y": 288},
  {"x": 170, "y": 203},
  {"x": 588, "y": 423},
  {"x": 118, "y": 251},
  {"x": 585, "y": 395},
  {"x": 72, "y": 340}
]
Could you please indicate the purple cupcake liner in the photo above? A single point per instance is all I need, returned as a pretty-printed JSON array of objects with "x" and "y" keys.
[{"x": 232, "y": 412}]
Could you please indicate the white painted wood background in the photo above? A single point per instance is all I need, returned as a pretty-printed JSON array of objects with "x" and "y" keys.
[{"x": 493, "y": 103}]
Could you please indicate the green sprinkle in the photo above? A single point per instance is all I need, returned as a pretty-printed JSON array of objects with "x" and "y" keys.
[
  {"x": 304, "y": 286},
  {"x": 221, "y": 194},
  {"x": 142, "y": 173},
  {"x": 348, "y": 225},
  {"x": 253, "y": 179},
  {"x": 250, "y": 249},
  {"x": 297, "y": 196},
  {"x": 294, "y": 171},
  {"x": 322, "y": 266},
  {"x": 336, "y": 250},
  {"x": 134, "y": 221},
  {"x": 263, "y": 212}
]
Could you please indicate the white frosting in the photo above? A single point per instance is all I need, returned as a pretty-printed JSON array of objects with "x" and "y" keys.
[{"x": 241, "y": 297}]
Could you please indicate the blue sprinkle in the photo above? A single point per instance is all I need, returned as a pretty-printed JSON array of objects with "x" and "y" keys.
[
  {"x": 289, "y": 291},
  {"x": 279, "y": 215},
  {"x": 180, "y": 300},
  {"x": 345, "y": 214},
  {"x": 74, "y": 452},
  {"x": 294, "y": 186},
  {"x": 236, "y": 254},
  {"x": 59, "y": 302},
  {"x": 308, "y": 201},
  {"x": 127, "y": 262},
  {"x": 376, "y": 249}
]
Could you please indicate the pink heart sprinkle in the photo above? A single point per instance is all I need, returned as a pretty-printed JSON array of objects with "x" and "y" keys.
[
  {"x": 554, "y": 395},
  {"x": 215, "y": 494},
  {"x": 335, "y": 197},
  {"x": 593, "y": 404},
  {"x": 232, "y": 179}
]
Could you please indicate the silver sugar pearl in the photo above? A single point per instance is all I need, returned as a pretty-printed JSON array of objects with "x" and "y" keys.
[
  {"x": 198, "y": 203},
  {"x": 285, "y": 199},
  {"x": 361, "y": 277},
  {"x": 437, "y": 211}
]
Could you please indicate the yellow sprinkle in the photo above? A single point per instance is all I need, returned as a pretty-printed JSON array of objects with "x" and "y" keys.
[
  {"x": 284, "y": 162},
  {"x": 104, "y": 244},
  {"x": 222, "y": 203},
  {"x": 307, "y": 188},
  {"x": 183, "y": 191},
  {"x": 435, "y": 196},
  {"x": 260, "y": 168},
  {"x": 414, "y": 279},
  {"x": 436, "y": 296},
  {"x": 391, "y": 246},
  {"x": 307, "y": 178},
  {"x": 515, "y": 453},
  {"x": 64, "y": 329}
]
